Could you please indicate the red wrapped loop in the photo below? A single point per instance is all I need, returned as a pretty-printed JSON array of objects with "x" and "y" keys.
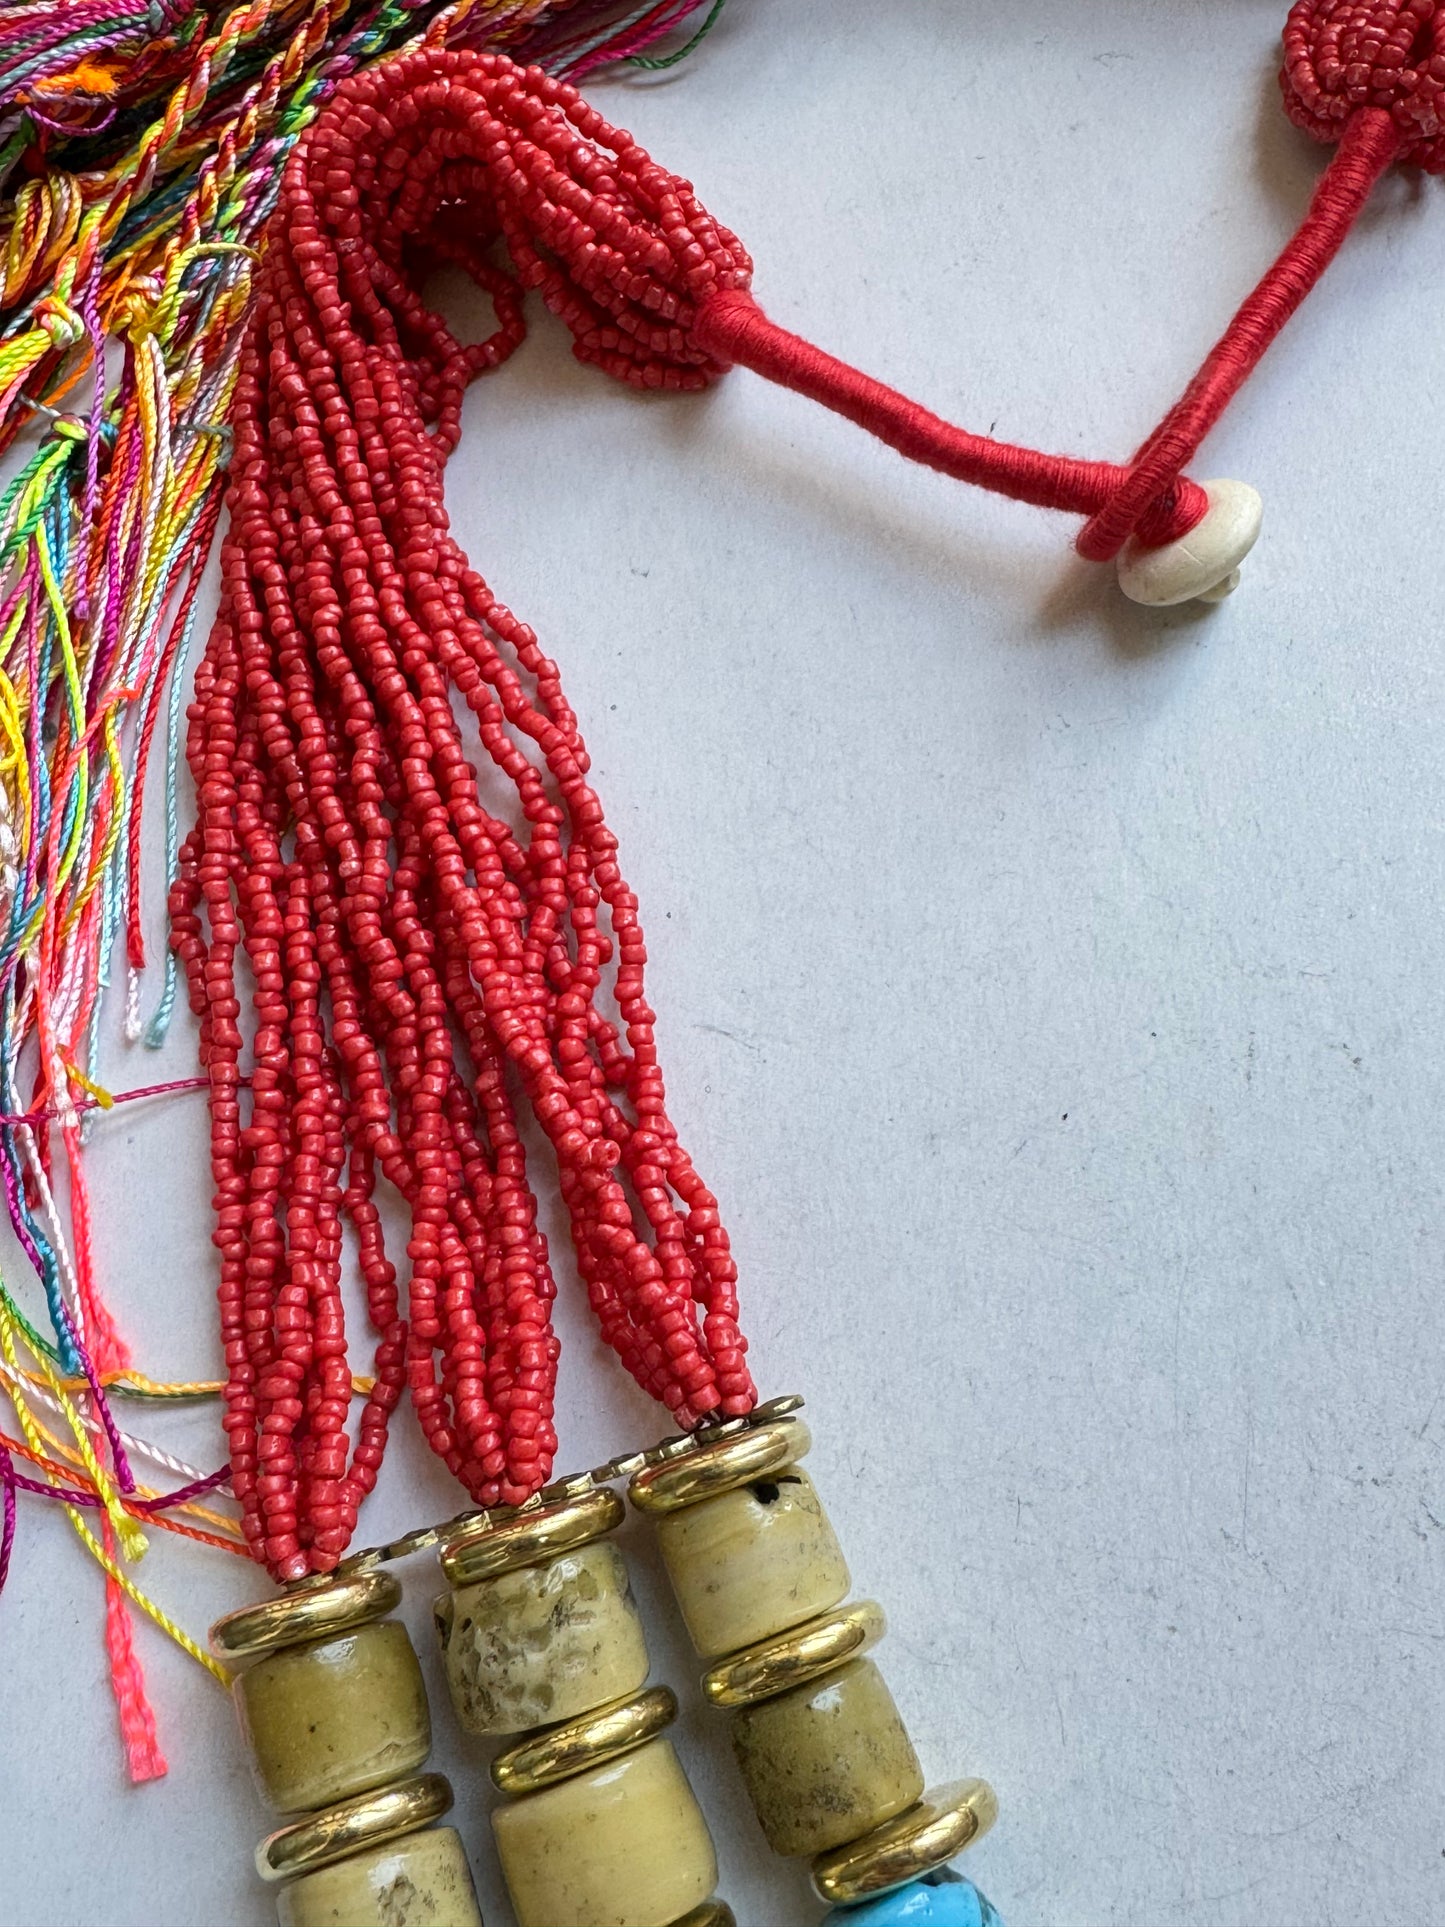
[{"x": 1341, "y": 55}]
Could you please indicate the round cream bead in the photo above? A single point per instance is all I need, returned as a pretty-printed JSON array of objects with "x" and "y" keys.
[
  {"x": 622, "y": 1846},
  {"x": 334, "y": 1718},
  {"x": 1202, "y": 566},
  {"x": 542, "y": 1644},
  {"x": 752, "y": 1562},
  {"x": 826, "y": 1761},
  {"x": 421, "y": 1881}
]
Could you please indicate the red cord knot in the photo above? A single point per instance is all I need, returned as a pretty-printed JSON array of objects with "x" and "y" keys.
[
  {"x": 1172, "y": 514},
  {"x": 1342, "y": 55},
  {"x": 1202, "y": 565}
]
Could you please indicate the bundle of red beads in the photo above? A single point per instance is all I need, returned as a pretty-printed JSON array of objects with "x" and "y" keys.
[
  {"x": 415, "y": 960},
  {"x": 1343, "y": 55}
]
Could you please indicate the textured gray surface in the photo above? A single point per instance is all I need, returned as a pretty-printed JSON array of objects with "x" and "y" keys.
[{"x": 1050, "y": 990}]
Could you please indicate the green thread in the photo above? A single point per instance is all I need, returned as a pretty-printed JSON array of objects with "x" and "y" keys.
[{"x": 656, "y": 63}]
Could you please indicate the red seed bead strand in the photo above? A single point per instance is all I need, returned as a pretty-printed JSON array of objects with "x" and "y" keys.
[
  {"x": 415, "y": 960},
  {"x": 436, "y": 1243},
  {"x": 667, "y": 1361},
  {"x": 284, "y": 1346}
]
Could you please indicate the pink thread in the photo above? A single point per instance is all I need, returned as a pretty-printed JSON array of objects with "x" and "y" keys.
[
  {"x": 83, "y": 1495},
  {"x": 143, "y": 1755},
  {"x": 35, "y": 1118}
]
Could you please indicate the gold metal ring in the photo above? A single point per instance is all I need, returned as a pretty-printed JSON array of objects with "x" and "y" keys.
[
  {"x": 712, "y": 1913},
  {"x": 368, "y": 1821},
  {"x": 317, "y": 1611},
  {"x": 918, "y": 1842},
  {"x": 590, "y": 1740},
  {"x": 738, "y": 1459},
  {"x": 791, "y": 1659},
  {"x": 529, "y": 1537}
]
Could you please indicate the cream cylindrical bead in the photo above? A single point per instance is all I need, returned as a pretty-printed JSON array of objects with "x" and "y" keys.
[
  {"x": 422, "y": 1880},
  {"x": 546, "y": 1643},
  {"x": 624, "y": 1845},
  {"x": 336, "y": 1717},
  {"x": 826, "y": 1761},
  {"x": 752, "y": 1562}
]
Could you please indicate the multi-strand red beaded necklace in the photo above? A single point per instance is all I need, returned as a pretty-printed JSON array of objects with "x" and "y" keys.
[{"x": 418, "y": 960}]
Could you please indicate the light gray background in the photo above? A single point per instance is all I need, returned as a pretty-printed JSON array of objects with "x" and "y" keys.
[{"x": 1048, "y": 988}]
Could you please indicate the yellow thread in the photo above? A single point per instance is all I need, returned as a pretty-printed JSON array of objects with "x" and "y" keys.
[
  {"x": 130, "y": 1380},
  {"x": 133, "y": 1540},
  {"x": 147, "y": 1605},
  {"x": 102, "y": 1096}
]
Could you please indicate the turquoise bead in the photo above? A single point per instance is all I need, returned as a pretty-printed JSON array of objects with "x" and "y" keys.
[{"x": 953, "y": 1903}]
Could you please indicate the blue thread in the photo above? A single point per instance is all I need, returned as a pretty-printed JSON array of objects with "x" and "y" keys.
[{"x": 155, "y": 1031}]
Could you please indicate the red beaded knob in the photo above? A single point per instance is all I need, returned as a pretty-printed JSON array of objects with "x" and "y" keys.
[
  {"x": 463, "y": 148},
  {"x": 1341, "y": 55}
]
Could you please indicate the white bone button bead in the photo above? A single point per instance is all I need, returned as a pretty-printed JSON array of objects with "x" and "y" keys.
[{"x": 1202, "y": 566}]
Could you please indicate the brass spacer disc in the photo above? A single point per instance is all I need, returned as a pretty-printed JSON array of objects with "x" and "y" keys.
[
  {"x": 712, "y": 1913},
  {"x": 945, "y": 1821},
  {"x": 736, "y": 1459},
  {"x": 793, "y": 1658},
  {"x": 370, "y": 1820},
  {"x": 317, "y": 1611},
  {"x": 590, "y": 1740},
  {"x": 529, "y": 1536}
]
